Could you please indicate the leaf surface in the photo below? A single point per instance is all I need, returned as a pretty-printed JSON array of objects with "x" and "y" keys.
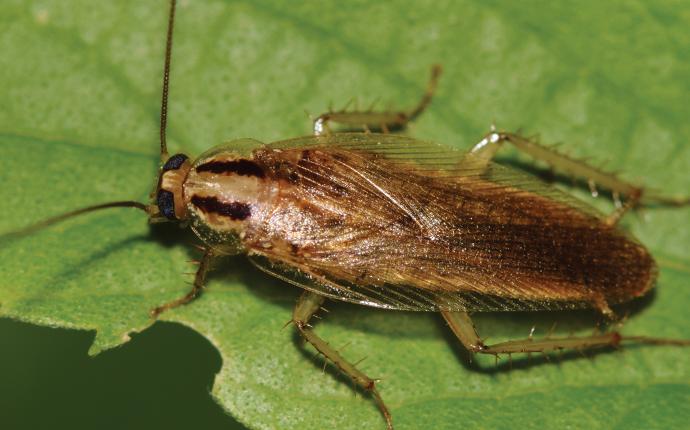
[{"x": 78, "y": 125}]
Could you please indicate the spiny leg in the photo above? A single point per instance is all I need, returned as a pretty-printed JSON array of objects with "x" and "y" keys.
[
  {"x": 483, "y": 152},
  {"x": 306, "y": 306},
  {"x": 464, "y": 330},
  {"x": 383, "y": 121},
  {"x": 197, "y": 286}
]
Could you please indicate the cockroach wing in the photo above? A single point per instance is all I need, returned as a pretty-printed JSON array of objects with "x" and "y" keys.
[
  {"x": 394, "y": 297},
  {"x": 396, "y": 223},
  {"x": 441, "y": 162}
]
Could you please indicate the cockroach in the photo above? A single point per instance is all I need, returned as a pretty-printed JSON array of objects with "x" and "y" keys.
[{"x": 396, "y": 223}]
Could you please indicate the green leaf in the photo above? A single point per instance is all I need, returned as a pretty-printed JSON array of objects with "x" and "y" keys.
[{"x": 78, "y": 125}]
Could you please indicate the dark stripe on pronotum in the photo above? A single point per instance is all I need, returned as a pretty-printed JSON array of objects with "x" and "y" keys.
[
  {"x": 240, "y": 167},
  {"x": 235, "y": 210},
  {"x": 174, "y": 162}
]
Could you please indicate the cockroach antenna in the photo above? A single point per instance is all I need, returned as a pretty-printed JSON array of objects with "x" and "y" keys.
[
  {"x": 151, "y": 210},
  {"x": 166, "y": 82},
  {"x": 71, "y": 214}
]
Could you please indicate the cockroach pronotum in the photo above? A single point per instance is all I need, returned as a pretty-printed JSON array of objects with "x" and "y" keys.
[{"x": 392, "y": 222}]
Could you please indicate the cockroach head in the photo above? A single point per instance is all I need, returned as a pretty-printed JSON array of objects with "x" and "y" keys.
[{"x": 168, "y": 195}]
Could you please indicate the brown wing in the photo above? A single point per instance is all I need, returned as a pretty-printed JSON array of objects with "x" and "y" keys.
[
  {"x": 425, "y": 158},
  {"x": 360, "y": 221}
]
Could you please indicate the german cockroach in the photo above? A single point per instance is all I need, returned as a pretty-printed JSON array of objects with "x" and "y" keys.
[{"x": 392, "y": 222}]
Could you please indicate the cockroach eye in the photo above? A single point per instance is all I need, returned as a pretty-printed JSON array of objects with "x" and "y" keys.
[
  {"x": 174, "y": 162},
  {"x": 169, "y": 196},
  {"x": 166, "y": 203}
]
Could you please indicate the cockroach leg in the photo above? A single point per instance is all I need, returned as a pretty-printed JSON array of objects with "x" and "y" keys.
[
  {"x": 307, "y": 305},
  {"x": 197, "y": 286},
  {"x": 383, "y": 121},
  {"x": 600, "y": 304},
  {"x": 464, "y": 330},
  {"x": 615, "y": 216},
  {"x": 463, "y": 327},
  {"x": 483, "y": 152}
]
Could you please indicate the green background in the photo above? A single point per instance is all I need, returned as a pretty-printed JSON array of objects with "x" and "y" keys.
[{"x": 79, "y": 94}]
